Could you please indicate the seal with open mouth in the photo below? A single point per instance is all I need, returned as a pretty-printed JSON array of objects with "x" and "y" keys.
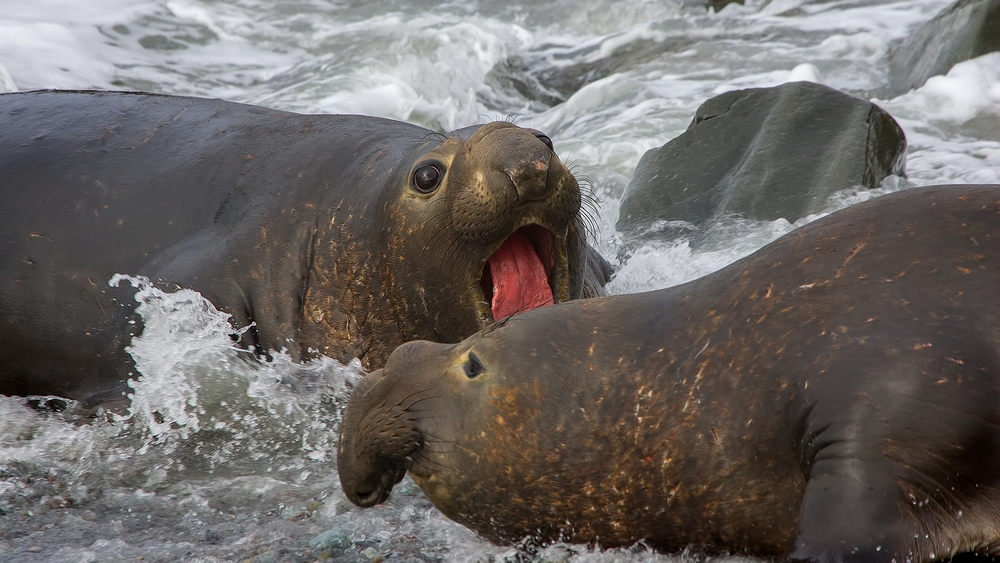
[
  {"x": 333, "y": 234},
  {"x": 833, "y": 397}
]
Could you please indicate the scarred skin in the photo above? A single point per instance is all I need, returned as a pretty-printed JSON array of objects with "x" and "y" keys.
[
  {"x": 308, "y": 227},
  {"x": 833, "y": 397}
]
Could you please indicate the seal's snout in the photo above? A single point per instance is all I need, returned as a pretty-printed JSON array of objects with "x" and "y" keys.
[
  {"x": 367, "y": 497},
  {"x": 378, "y": 437},
  {"x": 530, "y": 176}
]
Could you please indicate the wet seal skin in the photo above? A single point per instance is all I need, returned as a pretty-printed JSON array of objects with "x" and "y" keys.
[
  {"x": 339, "y": 235},
  {"x": 833, "y": 397}
]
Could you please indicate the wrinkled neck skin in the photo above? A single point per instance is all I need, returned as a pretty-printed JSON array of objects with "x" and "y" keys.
[{"x": 345, "y": 312}]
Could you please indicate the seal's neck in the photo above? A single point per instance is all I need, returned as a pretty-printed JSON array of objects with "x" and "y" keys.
[{"x": 342, "y": 316}]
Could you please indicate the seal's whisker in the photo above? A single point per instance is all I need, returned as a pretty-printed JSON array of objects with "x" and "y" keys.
[
  {"x": 411, "y": 411},
  {"x": 513, "y": 118},
  {"x": 431, "y": 446},
  {"x": 421, "y": 418},
  {"x": 589, "y": 225},
  {"x": 409, "y": 408},
  {"x": 424, "y": 457},
  {"x": 449, "y": 254},
  {"x": 451, "y": 250},
  {"x": 435, "y": 443},
  {"x": 414, "y": 394},
  {"x": 420, "y": 456},
  {"x": 589, "y": 206},
  {"x": 489, "y": 118}
]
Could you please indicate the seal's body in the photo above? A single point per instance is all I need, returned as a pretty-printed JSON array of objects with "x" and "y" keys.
[
  {"x": 345, "y": 235},
  {"x": 833, "y": 397}
]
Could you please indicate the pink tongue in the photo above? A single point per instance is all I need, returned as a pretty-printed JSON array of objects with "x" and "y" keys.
[{"x": 519, "y": 282}]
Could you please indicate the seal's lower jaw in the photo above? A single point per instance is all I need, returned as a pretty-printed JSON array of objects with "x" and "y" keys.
[
  {"x": 526, "y": 272},
  {"x": 387, "y": 480}
]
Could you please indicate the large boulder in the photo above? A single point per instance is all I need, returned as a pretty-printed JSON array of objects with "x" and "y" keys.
[
  {"x": 762, "y": 153},
  {"x": 965, "y": 30}
]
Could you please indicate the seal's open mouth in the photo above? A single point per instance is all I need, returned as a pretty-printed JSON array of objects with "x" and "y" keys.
[
  {"x": 518, "y": 276},
  {"x": 387, "y": 479}
]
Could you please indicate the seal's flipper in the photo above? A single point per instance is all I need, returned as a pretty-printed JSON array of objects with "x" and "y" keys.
[
  {"x": 851, "y": 512},
  {"x": 895, "y": 476}
]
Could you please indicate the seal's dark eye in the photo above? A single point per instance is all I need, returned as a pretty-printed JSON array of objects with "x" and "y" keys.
[
  {"x": 427, "y": 178},
  {"x": 545, "y": 139},
  {"x": 473, "y": 367}
]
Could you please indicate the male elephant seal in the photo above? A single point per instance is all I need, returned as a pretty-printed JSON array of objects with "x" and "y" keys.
[
  {"x": 346, "y": 235},
  {"x": 833, "y": 397}
]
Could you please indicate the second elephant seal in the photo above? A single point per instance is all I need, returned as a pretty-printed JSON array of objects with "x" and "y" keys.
[
  {"x": 833, "y": 397},
  {"x": 340, "y": 235}
]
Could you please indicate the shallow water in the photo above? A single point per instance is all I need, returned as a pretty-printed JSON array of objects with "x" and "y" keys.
[{"x": 224, "y": 458}]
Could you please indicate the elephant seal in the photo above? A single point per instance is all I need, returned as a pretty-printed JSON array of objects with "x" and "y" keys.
[
  {"x": 833, "y": 397},
  {"x": 345, "y": 235}
]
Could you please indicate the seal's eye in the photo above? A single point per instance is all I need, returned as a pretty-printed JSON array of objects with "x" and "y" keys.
[
  {"x": 427, "y": 178},
  {"x": 545, "y": 139},
  {"x": 473, "y": 367}
]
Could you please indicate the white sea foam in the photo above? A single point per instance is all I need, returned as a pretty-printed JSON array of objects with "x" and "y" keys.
[
  {"x": 6, "y": 81},
  {"x": 49, "y": 44},
  {"x": 805, "y": 72},
  {"x": 969, "y": 91},
  {"x": 952, "y": 124},
  {"x": 193, "y": 378}
]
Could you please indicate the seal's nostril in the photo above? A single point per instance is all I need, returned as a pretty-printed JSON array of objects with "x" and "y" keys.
[
  {"x": 530, "y": 178},
  {"x": 545, "y": 140}
]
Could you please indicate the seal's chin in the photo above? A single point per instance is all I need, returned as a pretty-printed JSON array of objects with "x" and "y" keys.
[
  {"x": 387, "y": 480},
  {"x": 520, "y": 275}
]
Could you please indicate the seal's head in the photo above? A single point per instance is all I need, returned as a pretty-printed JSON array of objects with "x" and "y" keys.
[
  {"x": 486, "y": 226},
  {"x": 403, "y": 417},
  {"x": 466, "y": 229},
  {"x": 475, "y": 426}
]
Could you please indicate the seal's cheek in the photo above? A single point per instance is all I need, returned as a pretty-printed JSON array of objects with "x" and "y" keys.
[{"x": 439, "y": 488}]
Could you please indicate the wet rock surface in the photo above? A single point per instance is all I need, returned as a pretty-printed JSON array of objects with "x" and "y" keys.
[
  {"x": 764, "y": 154},
  {"x": 965, "y": 30}
]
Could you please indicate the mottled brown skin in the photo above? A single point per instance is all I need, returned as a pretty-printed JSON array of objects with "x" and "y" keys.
[
  {"x": 308, "y": 227},
  {"x": 833, "y": 397}
]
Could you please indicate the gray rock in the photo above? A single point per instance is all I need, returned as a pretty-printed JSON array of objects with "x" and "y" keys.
[
  {"x": 720, "y": 4},
  {"x": 714, "y": 4},
  {"x": 338, "y": 537},
  {"x": 965, "y": 30},
  {"x": 761, "y": 153}
]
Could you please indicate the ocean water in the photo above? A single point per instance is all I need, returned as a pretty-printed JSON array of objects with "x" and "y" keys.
[{"x": 221, "y": 459}]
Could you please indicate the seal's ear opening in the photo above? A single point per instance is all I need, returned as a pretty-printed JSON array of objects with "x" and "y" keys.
[{"x": 473, "y": 366}]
